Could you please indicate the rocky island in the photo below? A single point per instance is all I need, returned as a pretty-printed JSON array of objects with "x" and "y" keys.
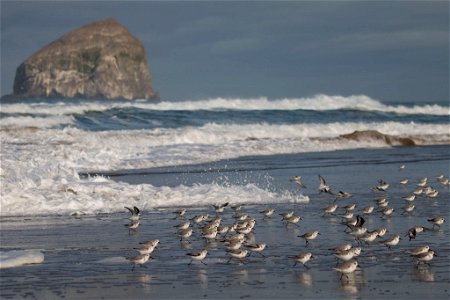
[{"x": 101, "y": 60}]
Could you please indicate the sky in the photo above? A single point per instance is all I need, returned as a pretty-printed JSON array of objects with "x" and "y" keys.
[{"x": 392, "y": 51}]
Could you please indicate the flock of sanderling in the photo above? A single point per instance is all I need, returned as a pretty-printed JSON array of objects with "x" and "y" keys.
[{"x": 238, "y": 246}]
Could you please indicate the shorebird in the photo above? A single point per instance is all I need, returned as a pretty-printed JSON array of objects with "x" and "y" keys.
[
  {"x": 146, "y": 248},
  {"x": 347, "y": 267},
  {"x": 309, "y": 236},
  {"x": 343, "y": 195},
  {"x": 286, "y": 215},
  {"x": 258, "y": 248},
  {"x": 413, "y": 231},
  {"x": 418, "y": 250},
  {"x": 298, "y": 181},
  {"x": 392, "y": 241},
  {"x": 437, "y": 221},
  {"x": 292, "y": 220},
  {"x": 323, "y": 186},
  {"x": 238, "y": 254},
  {"x": 408, "y": 208},
  {"x": 180, "y": 213},
  {"x": 198, "y": 256},
  {"x": 302, "y": 258},
  {"x": 330, "y": 209},
  {"x": 340, "y": 248},
  {"x": 382, "y": 186},
  {"x": 133, "y": 225},
  {"x": 184, "y": 233},
  {"x": 134, "y": 213},
  {"x": 425, "y": 257},
  {"x": 410, "y": 197},
  {"x": 403, "y": 181},
  {"x": 267, "y": 212},
  {"x": 220, "y": 207},
  {"x": 367, "y": 210},
  {"x": 138, "y": 260},
  {"x": 183, "y": 225},
  {"x": 346, "y": 255}
]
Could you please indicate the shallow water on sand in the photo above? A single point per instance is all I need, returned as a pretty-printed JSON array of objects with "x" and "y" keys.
[{"x": 85, "y": 256}]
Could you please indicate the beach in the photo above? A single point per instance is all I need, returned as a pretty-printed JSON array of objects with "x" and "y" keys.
[{"x": 85, "y": 255}]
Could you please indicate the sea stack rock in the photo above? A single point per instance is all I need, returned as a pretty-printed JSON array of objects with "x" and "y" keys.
[{"x": 101, "y": 60}]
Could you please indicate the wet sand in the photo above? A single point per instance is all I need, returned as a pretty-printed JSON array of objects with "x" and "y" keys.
[{"x": 84, "y": 256}]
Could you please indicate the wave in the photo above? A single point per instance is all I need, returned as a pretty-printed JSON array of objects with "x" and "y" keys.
[
  {"x": 16, "y": 258},
  {"x": 91, "y": 197},
  {"x": 319, "y": 102}
]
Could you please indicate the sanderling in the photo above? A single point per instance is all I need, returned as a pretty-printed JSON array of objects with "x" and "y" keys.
[
  {"x": 358, "y": 232},
  {"x": 408, "y": 208},
  {"x": 258, "y": 248},
  {"x": 134, "y": 213},
  {"x": 387, "y": 211},
  {"x": 183, "y": 225},
  {"x": 402, "y": 167},
  {"x": 302, "y": 258},
  {"x": 286, "y": 215},
  {"x": 347, "y": 267},
  {"x": 236, "y": 207},
  {"x": 418, "y": 250},
  {"x": 133, "y": 225},
  {"x": 392, "y": 241},
  {"x": 184, "y": 233},
  {"x": 347, "y": 215},
  {"x": 298, "y": 180},
  {"x": 309, "y": 236},
  {"x": 223, "y": 229},
  {"x": 381, "y": 231},
  {"x": 180, "y": 213},
  {"x": 150, "y": 243},
  {"x": 413, "y": 231},
  {"x": 340, "y": 248},
  {"x": 349, "y": 207},
  {"x": 342, "y": 195},
  {"x": 432, "y": 194},
  {"x": 138, "y": 260},
  {"x": 437, "y": 221},
  {"x": 425, "y": 257},
  {"x": 199, "y": 256},
  {"x": 403, "y": 181},
  {"x": 240, "y": 217},
  {"x": 146, "y": 248},
  {"x": 418, "y": 191},
  {"x": 367, "y": 210},
  {"x": 422, "y": 182},
  {"x": 267, "y": 212},
  {"x": 238, "y": 254},
  {"x": 410, "y": 197},
  {"x": 330, "y": 209},
  {"x": 292, "y": 220},
  {"x": 220, "y": 207},
  {"x": 346, "y": 255},
  {"x": 199, "y": 218},
  {"x": 323, "y": 186},
  {"x": 382, "y": 202},
  {"x": 210, "y": 234},
  {"x": 369, "y": 237},
  {"x": 382, "y": 186},
  {"x": 233, "y": 244}
]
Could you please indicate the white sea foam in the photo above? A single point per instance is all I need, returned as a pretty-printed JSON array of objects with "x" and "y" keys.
[
  {"x": 318, "y": 102},
  {"x": 16, "y": 258},
  {"x": 39, "y": 170}
]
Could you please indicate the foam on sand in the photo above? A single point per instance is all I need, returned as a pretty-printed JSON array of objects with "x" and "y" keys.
[{"x": 16, "y": 258}]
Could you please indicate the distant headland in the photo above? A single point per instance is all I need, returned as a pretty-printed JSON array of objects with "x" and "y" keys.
[{"x": 101, "y": 60}]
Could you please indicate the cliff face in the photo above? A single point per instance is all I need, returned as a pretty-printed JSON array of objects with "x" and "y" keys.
[{"x": 100, "y": 60}]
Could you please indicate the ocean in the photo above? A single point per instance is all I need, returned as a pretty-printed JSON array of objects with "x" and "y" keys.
[{"x": 68, "y": 169}]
